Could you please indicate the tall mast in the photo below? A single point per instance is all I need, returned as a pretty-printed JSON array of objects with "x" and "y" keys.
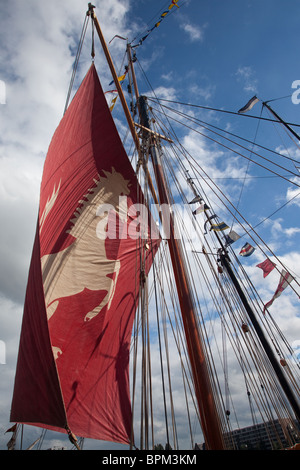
[
  {"x": 203, "y": 388},
  {"x": 211, "y": 426},
  {"x": 266, "y": 346},
  {"x": 114, "y": 74},
  {"x": 281, "y": 120},
  {"x": 210, "y": 421}
]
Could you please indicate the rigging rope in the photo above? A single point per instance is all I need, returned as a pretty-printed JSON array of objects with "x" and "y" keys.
[
  {"x": 196, "y": 165},
  {"x": 81, "y": 41},
  {"x": 201, "y": 122},
  {"x": 220, "y": 110},
  {"x": 243, "y": 156},
  {"x": 247, "y": 169},
  {"x": 211, "y": 316}
]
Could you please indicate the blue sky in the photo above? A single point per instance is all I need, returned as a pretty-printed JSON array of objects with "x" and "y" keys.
[
  {"x": 208, "y": 52},
  {"x": 215, "y": 39},
  {"x": 219, "y": 54}
]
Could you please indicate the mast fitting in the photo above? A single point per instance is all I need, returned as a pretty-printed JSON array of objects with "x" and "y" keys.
[{"x": 90, "y": 11}]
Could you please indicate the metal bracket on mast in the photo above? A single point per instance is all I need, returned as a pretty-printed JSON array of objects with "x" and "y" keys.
[{"x": 90, "y": 11}]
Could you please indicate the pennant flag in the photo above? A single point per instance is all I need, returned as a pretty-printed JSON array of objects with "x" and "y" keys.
[
  {"x": 196, "y": 199},
  {"x": 12, "y": 429},
  {"x": 267, "y": 266},
  {"x": 231, "y": 237},
  {"x": 219, "y": 227},
  {"x": 12, "y": 442},
  {"x": 113, "y": 102},
  {"x": 145, "y": 37},
  {"x": 162, "y": 16},
  {"x": 199, "y": 209},
  {"x": 174, "y": 3},
  {"x": 203, "y": 207},
  {"x": 284, "y": 281},
  {"x": 249, "y": 105},
  {"x": 120, "y": 79},
  {"x": 247, "y": 250}
]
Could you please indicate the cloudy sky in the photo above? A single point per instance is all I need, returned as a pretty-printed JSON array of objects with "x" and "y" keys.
[{"x": 213, "y": 53}]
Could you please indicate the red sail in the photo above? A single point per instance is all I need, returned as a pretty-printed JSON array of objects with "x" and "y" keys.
[{"x": 84, "y": 281}]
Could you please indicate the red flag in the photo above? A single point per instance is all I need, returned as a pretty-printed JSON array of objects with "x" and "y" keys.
[
  {"x": 267, "y": 266},
  {"x": 82, "y": 288},
  {"x": 284, "y": 281}
]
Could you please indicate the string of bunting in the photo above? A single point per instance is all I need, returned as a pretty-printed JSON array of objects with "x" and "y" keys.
[
  {"x": 267, "y": 266},
  {"x": 122, "y": 77},
  {"x": 247, "y": 250},
  {"x": 162, "y": 16}
]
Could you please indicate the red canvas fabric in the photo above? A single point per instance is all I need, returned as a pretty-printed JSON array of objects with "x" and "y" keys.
[
  {"x": 82, "y": 290},
  {"x": 37, "y": 393}
]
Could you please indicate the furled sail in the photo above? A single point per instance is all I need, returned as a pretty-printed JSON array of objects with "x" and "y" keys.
[{"x": 84, "y": 279}]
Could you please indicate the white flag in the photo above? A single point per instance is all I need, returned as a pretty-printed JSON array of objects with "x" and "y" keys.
[{"x": 249, "y": 105}]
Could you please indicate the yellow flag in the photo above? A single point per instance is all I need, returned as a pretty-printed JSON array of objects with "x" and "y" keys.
[
  {"x": 113, "y": 102},
  {"x": 174, "y": 2}
]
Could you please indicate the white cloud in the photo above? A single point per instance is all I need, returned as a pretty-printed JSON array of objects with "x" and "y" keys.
[
  {"x": 167, "y": 93},
  {"x": 195, "y": 32},
  {"x": 246, "y": 76},
  {"x": 291, "y": 231},
  {"x": 293, "y": 195},
  {"x": 168, "y": 76},
  {"x": 205, "y": 92},
  {"x": 278, "y": 229}
]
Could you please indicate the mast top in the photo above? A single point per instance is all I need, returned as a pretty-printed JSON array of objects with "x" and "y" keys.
[{"x": 90, "y": 10}]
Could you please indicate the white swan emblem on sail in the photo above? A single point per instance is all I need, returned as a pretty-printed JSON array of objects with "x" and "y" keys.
[{"x": 85, "y": 264}]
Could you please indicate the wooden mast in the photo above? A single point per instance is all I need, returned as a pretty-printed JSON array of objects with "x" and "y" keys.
[
  {"x": 265, "y": 103},
  {"x": 210, "y": 422},
  {"x": 225, "y": 261},
  {"x": 115, "y": 77}
]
